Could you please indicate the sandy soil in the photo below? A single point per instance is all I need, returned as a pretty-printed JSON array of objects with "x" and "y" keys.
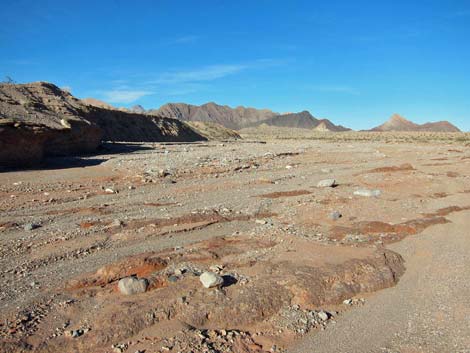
[{"x": 253, "y": 213}]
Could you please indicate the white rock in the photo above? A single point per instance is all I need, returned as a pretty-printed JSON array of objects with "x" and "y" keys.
[
  {"x": 367, "y": 193},
  {"x": 109, "y": 191},
  {"x": 132, "y": 285},
  {"x": 327, "y": 183},
  {"x": 323, "y": 316},
  {"x": 210, "y": 279}
]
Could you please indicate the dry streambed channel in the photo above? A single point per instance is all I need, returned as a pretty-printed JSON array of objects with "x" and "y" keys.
[{"x": 213, "y": 247}]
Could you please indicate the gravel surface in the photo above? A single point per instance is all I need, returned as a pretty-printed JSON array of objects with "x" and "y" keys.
[{"x": 429, "y": 309}]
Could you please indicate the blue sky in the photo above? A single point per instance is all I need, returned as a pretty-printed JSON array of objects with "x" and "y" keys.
[{"x": 354, "y": 62}]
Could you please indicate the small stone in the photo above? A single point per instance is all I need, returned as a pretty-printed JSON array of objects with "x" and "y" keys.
[
  {"x": 367, "y": 193},
  {"x": 132, "y": 285},
  {"x": 173, "y": 278},
  {"x": 216, "y": 268},
  {"x": 289, "y": 167},
  {"x": 347, "y": 301},
  {"x": 31, "y": 226},
  {"x": 163, "y": 173},
  {"x": 210, "y": 279},
  {"x": 326, "y": 170},
  {"x": 326, "y": 183},
  {"x": 74, "y": 333},
  {"x": 335, "y": 215},
  {"x": 109, "y": 191},
  {"x": 323, "y": 315},
  {"x": 261, "y": 221},
  {"x": 116, "y": 223}
]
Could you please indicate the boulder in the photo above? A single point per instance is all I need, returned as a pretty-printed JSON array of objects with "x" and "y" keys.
[
  {"x": 132, "y": 285},
  {"x": 326, "y": 183},
  {"x": 211, "y": 279}
]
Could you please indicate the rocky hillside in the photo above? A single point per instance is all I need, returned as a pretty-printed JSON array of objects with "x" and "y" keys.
[
  {"x": 214, "y": 131},
  {"x": 39, "y": 119},
  {"x": 132, "y": 127},
  {"x": 399, "y": 123},
  {"x": 232, "y": 118}
]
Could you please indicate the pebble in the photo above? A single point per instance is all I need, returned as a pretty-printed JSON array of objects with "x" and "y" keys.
[
  {"x": 210, "y": 279},
  {"x": 115, "y": 223},
  {"x": 216, "y": 268},
  {"x": 109, "y": 191},
  {"x": 132, "y": 285},
  {"x": 367, "y": 193},
  {"x": 173, "y": 278},
  {"x": 31, "y": 226},
  {"x": 261, "y": 221},
  {"x": 326, "y": 183},
  {"x": 335, "y": 215},
  {"x": 74, "y": 333}
]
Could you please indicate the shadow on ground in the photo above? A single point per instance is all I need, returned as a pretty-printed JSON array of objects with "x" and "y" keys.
[{"x": 81, "y": 161}]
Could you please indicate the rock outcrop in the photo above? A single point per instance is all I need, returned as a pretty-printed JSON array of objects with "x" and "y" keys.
[{"x": 39, "y": 119}]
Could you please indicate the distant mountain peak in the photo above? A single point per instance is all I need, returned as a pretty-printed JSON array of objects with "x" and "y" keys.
[
  {"x": 397, "y": 118},
  {"x": 399, "y": 123},
  {"x": 137, "y": 109}
]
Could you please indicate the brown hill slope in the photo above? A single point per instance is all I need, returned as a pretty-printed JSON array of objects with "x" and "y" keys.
[
  {"x": 399, "y": 123},
  {"x": 232, "y": 118},
  {"x": 213, "y": 131}
]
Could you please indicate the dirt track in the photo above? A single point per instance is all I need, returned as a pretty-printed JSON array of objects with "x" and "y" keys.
[{"x": 255, "y": 210}]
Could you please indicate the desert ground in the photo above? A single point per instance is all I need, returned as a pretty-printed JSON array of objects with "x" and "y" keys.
[{"x": 376, "y": 261}]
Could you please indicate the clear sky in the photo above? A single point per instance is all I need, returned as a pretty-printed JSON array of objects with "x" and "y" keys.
[{"x": 354, "y": 62}]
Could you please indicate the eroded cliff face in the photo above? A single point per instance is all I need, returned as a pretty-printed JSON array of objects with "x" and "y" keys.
[
  {"x": 21, "y": 145},
  {"x": 39, "y": 119}
]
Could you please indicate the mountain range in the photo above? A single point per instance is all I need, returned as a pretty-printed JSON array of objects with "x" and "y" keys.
[
  {"x": 244, "y": 117},
  {"x": 241, "y": 117},
  {"x": 232, "y": 118}
]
